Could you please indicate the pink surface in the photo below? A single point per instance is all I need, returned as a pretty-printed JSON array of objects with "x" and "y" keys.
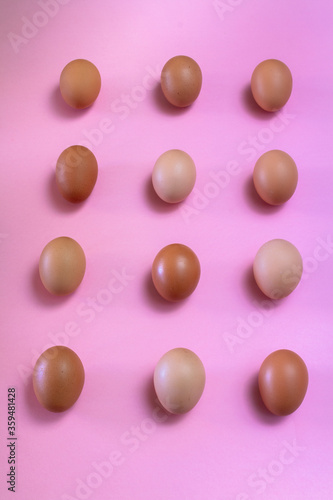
[{"x": 228, "y": 447}]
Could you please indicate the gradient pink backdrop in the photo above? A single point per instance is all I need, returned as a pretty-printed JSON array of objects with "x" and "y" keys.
[{"x": 220, "y": 449}]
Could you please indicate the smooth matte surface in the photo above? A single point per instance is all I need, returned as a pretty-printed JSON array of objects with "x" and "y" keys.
[{"x": 115, "y": 321}]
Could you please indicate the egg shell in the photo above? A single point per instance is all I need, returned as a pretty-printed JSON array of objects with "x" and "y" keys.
[
  {"x": 277, "y": 268},
  {"x": 283, "y": 381},
  {"x": 179, "y": 380},
  {"x": 176, "y": 272},
  {"x": 58, "y": 378},
  {"x": 181, "y": 81},
  {"x": 80, "y": 83},
  {"x": 174, "y": 176},
  {"x": 275, "y": 177},
  {"x": 62, "y": 265},
  {"x": 271, "y": 84},
  {"x": 76, "y": 173}
]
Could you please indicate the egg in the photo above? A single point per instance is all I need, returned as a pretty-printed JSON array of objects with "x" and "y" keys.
[
  {"x": 277, "y": 268},
  {"x": 179, "y": 380},
  {"x": 283, "y": 381},
  {"x": 62, "y": 265},
  {"x": 80, "y": 83},
  {"x": 176, "y": 272},
  {"x": 271, "y": 84},
  {"x": 275, "y": 177},
  {"x": 76, "y": 173},
  {"x": 58, "y": 378},
  {"x": 174, "y": 176},
  {"x": 181, "y": 81}
]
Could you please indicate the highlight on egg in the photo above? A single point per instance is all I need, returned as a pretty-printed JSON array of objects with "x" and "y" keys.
[
  {"x": 283, "y": 382},
  {"x": 176, "y": 272},
  {"x": 271, "y": 84},
  {"x": 181, "y": 81},
  {"x": 277, "y": 268},
  {"x": 62, "y": 265},
  {"x": 275, "y": 177},
  {"x": 174, "y": 176},
  {"x": 80, "y": 83},
  {"x": 58, "y": 378},
  {"x": 76, "y": 173},
  {"x": 179, "y": 380}
]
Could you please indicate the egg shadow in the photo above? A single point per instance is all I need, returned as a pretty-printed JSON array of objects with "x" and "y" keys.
[
  {"x": 164, "y": 105},
  {"x": 58, "y": 200},
  {"x": 43, "y": 295},
  {"x": 61, "y": 108},
  {"x": 252, "y": 107},
  {"x": 254, "y": 293},
  {"x": 257, "y": 405},
  {"x": 155, "y": 201},
  {"x": 156, "y": 300},
  {"x": 162, "y": 416},
  {"x": 39, "y": 413},
  {"x": 257, "y": 203}
]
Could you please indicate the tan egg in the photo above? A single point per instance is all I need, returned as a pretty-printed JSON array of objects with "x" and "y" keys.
[
  {"x": 277, "y": 268},
  {"x": 181, "y": 81},
  {"x": 271, "y": 84},
  {"x": 76, "y": 173},
  {"x": 58, "y": 378},
  {"x": 283, "y": 382},
  {"x": 179, "y": 380},
  {"x": 174, "y": 176},
  {"x": 62, "y": 265},
  {"x": 80, "y": 83},
  {"x": 176, "y": 272},
  {"x": 275, "y": 177}
]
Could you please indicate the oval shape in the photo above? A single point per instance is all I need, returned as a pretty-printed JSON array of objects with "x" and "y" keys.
[
  {"x": 80, "y": 83},
  {"x": 58, "y": 378},
  {"x": 76, "y": 173},
  {"x": 277, "y": 268},
  {"x": 62, "y": 265},
  {"x": 283, "y": 382},
  {"x": 179, "y": 380},
  {"x": 275, "y": 177},
  {"x": 181, "y": 81},
  {"x": 174, "y": 176},
  {"x": 176, "y": 272},
  {"x": 271, "y": 84}
]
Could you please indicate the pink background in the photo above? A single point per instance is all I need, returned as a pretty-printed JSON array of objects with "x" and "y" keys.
[{"x": 228, "y": 447}]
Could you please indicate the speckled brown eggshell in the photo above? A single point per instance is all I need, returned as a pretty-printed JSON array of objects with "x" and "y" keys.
[
  {"x": 275, "y": 177},
  {"x": 181, "y": 81},
  {"x": 179, "y": 380},
  {"x": 62, "y": 265},
  {"x": 80, "y": 83},
  {"x": 277, "y": 268},
  {"x": 271, "y": 84},
  {"x": 283, "y": 381},
  {"x": 175, "y": 272},
  {"x": 76, "y": 173},
  {"x": 58, "y": 378}
]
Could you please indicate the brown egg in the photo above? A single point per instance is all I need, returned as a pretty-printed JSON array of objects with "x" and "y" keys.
[
  {"x": 76, "y": 173},
  {"x": 275, "y": 177},
  {"x": 277, "y": 268},
  {"x": 179, "y": 380},
  {"x": 181, "y": 81},
  {"x": 80, "y": 83},
  {"x": 175, "y": 272},
  {"x": 174, "y": 176},
  {"x": 62, "y": 265},
  {"x": 271, "y": 84},
  {"x": 283, "y": 381},
  {"x": 58, "y": 378}
]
